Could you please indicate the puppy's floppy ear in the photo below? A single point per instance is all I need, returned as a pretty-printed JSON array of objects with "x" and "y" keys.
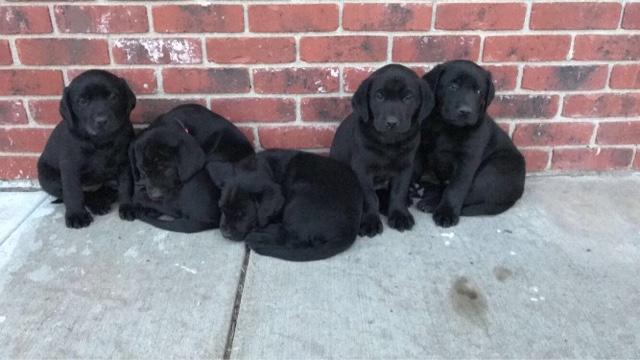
[
  {"x": 360, "y": 100},
  {"x": 433, "y": 76},
  {"x": 220, "y": 172},
  {"x": 129, "y": 95},
  {"x": 427, "y": 100},
  {"x": 191, "y": 158},
  {"x": 270, "y": 203},
  {"x": 66, "y": 109},
  {"x": 491, "y": 91}
]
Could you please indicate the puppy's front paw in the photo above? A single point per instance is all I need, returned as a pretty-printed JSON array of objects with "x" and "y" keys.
[
  {"x": 371, "y": 226},
  {"x": 78, "y": 219},
  {"x": 127, "y": 212},
  {"x": 400, "y": 220},
  {"x": 99, "y": 207},
  {"x": 445, "y": 216}
]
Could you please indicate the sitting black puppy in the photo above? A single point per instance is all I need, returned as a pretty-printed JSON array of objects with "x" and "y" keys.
[
  {"x": 379, "y": 141},
  {"x": 85, "y": 160},
  {"x": 292, "y": 205},
  {"x": 168, "y": 163},
  {"x": 480, "y": 170}
]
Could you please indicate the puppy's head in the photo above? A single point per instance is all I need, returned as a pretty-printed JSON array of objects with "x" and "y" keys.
[
  {"x": 97, "y": 103},
  {"x": 463, "y": 91},
  {"x": 162, "y": 161},
  {"x": 239, "y": 210},
  {"x": 393, "y": 100}
]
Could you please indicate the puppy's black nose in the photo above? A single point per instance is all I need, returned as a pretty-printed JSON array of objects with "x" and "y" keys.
[
  {"x": 392, "y": 122},
  {"x": 464, "y": 111}
]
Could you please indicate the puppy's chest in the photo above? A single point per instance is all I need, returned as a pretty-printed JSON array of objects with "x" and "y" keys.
[{"x": 104, "y": 164}]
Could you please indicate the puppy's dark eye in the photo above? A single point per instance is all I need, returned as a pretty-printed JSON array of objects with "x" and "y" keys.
[
  {"x": 407, "y": 98},
  {"x": 453, "y": 86},
  {"x": 83, "y": 101},
  {"x": 113, "y": 97},
  {"x": 379, "y": 96},
  {"x": 478, "y": 91}
]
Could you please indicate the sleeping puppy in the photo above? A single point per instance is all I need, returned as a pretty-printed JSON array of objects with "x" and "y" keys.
[
  {"x": 379, "y": 141},
  {"x": 292, "y": 205},
  {"x": 85, "y": 160},
  {"x": 168, "y": 164},
  {"x": 480, "y": 169}
]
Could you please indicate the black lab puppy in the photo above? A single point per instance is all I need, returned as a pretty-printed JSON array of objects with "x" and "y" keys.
[
  {"x": 85, "y": 160},
  {"x": 292, "y": 205},
  {"x": 168, "y": 163},
  {"x": 379, "y": 141},
  {"x": 480, "y": 170}
]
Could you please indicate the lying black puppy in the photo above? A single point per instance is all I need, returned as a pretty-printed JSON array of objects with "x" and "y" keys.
[
  {"x": 292, "y": 205},
  {"x": 85, "y": 160},
  {"x": 168, "y": 163},
  {"x": 379, "y": 141},
  {"x": 482, "y": 172}
]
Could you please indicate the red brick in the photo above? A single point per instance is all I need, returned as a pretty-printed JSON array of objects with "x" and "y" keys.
[
  {"x": 249, "y": 133},
  {"x": 12, "y": 112},
  {"x": 564, "y": 77},
  {"x": 5, "y": 53},
  {"x": 631, "y": 19},
  {"x": 101, "y": 19},
  {"x": 293, "y": 18},
  {"x": 536, "y": 160},
  {"x": 45, "y": 111},
  {"x": 625, "y": 77},
  {"x": 211, "y": 81},
  {"x": 62, "y": 51},
  {"x": 343, "y": 48},
  {"x": 25, "y": 20},
  {"x": 251, "y": 50},
  {"x": 141, "y": 81},
  {"x": 524, "y": 106},
  {"x": 31, "y": 82},
  {"x": 480, "y": 16},
  {"x": 504, "y": 76},
  {"x": 616, "y": 133},
  {"x": 18, "y": 167},
  {"x": 147, "y": 110},
  {"x": 256, "y": 109},
  {"x": 526, "y": 48},
  {"x": 23, "y": 140},
  {"x": 325, "y": 109},
  {"x": 296, "y": 80},
  {"x": 353, "y": 77},
  {"x": 553, "y": 134},
  {"x": 602, "y": 105},
  {"x": 435, "y": 48},
  {"x": 296, "y": 137},
  {"x": 607, "y": 47},
  {"x": 575, "y": 16},
  {"x": 386, "y": 17},
  {"x": 157, "y": 51},
  {"x": 591, "y": 159},
  {"x": 198, "y": 18}
]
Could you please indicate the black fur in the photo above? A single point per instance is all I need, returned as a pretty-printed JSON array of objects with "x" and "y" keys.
[
  {"x": 85, "y": 160},
  {"x": 168, "y": 163},
  {"x": 480, "y": 171},
  {"x": 379, "y": 141},
  {"x": 292, "y": 205}
]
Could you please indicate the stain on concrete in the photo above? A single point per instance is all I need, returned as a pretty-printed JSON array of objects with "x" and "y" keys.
[
  {"x": 502, "y": 273},
  {"x": 469, "y": 302}
]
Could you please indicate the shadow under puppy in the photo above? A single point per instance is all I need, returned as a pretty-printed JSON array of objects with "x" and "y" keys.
[
  {"x": 168, "y": 163},
  {"x": 291, "y": 205},
  {"x": 379, "y": 141},
  {"x": 480, "y": 170},
  {"x": 84, "y": 162}
]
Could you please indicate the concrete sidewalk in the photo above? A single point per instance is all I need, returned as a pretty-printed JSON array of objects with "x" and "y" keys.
[{"x": 554, "y": 277}]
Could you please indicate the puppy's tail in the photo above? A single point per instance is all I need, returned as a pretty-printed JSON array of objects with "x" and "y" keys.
[
  {"x": 295, "y": 249},
  {"x": 485, "y": 209},
  {"x": 178, "y": 225}
]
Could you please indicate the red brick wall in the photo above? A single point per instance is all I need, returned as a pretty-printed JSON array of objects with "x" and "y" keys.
[{"x": 568, "y": 74}]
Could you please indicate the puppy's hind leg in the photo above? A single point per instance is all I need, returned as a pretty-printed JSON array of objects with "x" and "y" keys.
[{"x": 50, "y": 180}]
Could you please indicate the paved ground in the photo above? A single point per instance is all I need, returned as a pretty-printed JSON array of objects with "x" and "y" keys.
[{"x": 555, "y": 277}]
